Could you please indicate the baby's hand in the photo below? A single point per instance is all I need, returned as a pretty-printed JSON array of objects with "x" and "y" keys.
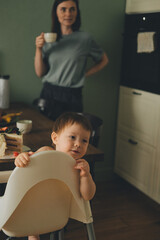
[
  {"x": 83, "y": 166},
  {"x": 23, "y": 159}
]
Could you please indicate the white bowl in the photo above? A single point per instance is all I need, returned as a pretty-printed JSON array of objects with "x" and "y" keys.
[
  {"x": 24, "y": 126},
  {"x": 50, "y": 37}
]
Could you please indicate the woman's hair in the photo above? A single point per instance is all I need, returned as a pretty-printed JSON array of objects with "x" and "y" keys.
[
  {"x": 55, "y": 23},
  {"x": 69, "y": 118}
]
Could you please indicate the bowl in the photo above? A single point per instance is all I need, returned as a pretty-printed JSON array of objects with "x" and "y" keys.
[{"x": 24, "y": 126}]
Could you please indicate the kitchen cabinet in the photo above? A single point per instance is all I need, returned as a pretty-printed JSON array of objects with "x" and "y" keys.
[
  {"x": 137, "y": 154},
  {"x": 142, "y": 6}
]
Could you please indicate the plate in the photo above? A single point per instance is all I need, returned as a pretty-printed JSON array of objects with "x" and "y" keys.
[
  {"x": 3, "y": 123},
  {"x": 9, "y": 154}
]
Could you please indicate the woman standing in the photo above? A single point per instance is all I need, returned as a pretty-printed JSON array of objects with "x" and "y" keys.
[{"x": 62, "y": 64}]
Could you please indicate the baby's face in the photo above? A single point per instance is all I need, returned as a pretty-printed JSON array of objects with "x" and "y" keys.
[{"x": 73, "y": 140}]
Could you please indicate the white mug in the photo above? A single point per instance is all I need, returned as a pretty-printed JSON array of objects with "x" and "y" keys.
[{"x": 50, "y": 37}]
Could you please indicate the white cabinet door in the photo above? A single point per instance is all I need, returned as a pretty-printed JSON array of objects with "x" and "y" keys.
[
  {"x": 142, "y": 6},
  {"x": 135, "y": 162},
  {"x": 139, "y": 114}
]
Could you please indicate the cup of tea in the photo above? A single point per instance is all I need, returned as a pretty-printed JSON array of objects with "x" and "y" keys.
[
  {"x": 24, "y": 126},
  {"x": 50, "y": 37}
]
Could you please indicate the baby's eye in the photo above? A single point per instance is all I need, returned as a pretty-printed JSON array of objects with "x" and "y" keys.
[
  {"x": 72, "y": 137},
  {"x": 85, "y": 141}
]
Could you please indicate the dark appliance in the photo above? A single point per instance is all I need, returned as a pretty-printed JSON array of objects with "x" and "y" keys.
[{"x": 141, "y": 70}]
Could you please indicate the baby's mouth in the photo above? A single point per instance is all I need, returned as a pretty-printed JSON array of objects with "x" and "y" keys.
[{"x": 75, "y": 151}]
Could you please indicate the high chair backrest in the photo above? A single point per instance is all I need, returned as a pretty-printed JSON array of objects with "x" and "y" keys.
[{"x": 41, "y": 197}]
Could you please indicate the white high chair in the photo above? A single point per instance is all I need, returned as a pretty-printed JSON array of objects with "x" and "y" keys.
[
  {"x": 41, "y": 197},
  {"x": 4, "y": 176}
]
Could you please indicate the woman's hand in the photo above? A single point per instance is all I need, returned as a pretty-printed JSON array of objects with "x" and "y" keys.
[
  {"x": 23, "y": 159},
  {"x": 40, "y": 40}
]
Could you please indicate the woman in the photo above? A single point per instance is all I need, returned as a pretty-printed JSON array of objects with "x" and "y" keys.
[{"x": 62, "y": 64}]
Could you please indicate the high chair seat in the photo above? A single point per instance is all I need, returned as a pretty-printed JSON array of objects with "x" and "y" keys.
[{"x": 4, "y": 176}]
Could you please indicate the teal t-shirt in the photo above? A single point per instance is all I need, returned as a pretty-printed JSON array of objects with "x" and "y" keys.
[{"x": 67, "y": 59}]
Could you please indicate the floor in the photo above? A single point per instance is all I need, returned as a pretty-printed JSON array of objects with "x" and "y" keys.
[{"x": 121, "y": 212}]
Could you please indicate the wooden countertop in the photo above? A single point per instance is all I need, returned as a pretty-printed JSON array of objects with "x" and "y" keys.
[{"x": 41, "y": 132}]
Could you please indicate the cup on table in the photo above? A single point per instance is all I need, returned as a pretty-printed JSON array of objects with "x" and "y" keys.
[
  {"x": 50, "y": 37},
  {"x": 24, "y": 126}
]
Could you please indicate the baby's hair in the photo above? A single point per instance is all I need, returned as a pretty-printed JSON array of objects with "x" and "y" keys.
[{"x": 69, "y": 118}]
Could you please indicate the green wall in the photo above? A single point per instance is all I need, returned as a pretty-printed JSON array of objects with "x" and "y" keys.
[{"x": 22, "y": 20}]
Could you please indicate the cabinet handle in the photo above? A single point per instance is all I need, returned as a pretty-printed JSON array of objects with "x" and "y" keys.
[
  {"x": 132, "y": 142},
  {"x": 136, "y": 93}
]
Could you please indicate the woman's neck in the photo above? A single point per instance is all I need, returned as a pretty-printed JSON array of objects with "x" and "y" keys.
[{"x": 66, "y": 30}]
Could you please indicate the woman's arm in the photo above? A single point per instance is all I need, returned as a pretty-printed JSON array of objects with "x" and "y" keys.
[
  {"x": 40, "y": 66},
  {"x": 96, "y": 68}
]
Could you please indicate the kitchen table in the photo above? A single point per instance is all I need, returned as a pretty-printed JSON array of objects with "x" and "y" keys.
[{"x": 40, "y": 135}]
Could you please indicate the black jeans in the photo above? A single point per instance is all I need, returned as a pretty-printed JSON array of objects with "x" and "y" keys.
[{"x": 61, "y": 99}]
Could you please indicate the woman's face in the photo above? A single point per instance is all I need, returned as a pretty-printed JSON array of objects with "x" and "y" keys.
[{"x": 67, "y": 13}]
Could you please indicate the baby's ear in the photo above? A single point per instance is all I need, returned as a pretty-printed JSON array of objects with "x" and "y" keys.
[{"x": 54, "y": 137}]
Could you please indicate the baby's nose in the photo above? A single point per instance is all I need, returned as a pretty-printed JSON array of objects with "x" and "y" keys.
[{"x": 77, "y": 143}]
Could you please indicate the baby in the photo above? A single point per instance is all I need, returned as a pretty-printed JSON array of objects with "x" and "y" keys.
[{"x": 71, "y": 134}]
